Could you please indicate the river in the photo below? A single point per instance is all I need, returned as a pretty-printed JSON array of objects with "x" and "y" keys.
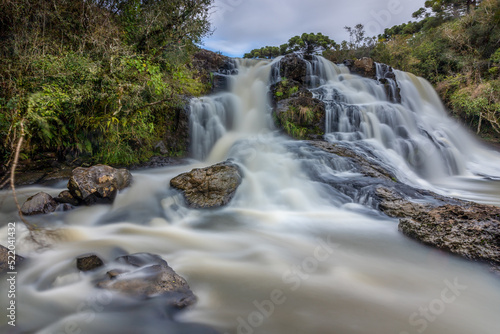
[{"x": 289, "y": 254}]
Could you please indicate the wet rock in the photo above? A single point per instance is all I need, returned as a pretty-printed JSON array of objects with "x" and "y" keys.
[
  {"x": 395, "y": 204},
  {"x": 293, "y": 67},
  {"x": 367, "y": 166},
  {"x": 4, "y": 260},
  {"x": 213, "y": 70},
  {"x": 98, "y": 184},
  {"x": 209, "y": 187},
  {"x": 40, "y": 203},
  {"x": 387, "y": 78},
  {"x": 65, "y": 197},
  {"x": 301, "y": 117},
  {"x": 176, "y": 137},
  {"x": 88, "y": 263},
  {"x": 472, "y": 231},
  {"x": 364, "y": 67},
  {"x": 147, "y": 276},
  {"x": 287, "y": 88},
  {"x": 464, "y": 228},
  {"x": 367, "y": 68}
]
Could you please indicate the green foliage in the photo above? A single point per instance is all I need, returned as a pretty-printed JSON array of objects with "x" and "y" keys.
[
  {"x": 310, "y": 43},
  {"x": 297, "y": 122},
  {"x": 305, "y": 43},
  {"x": 285, "y": 89},
  {"x": 456, "y": 47},
  {"x": 96, "y": 79},
  {"x": 358, "y": 46}
]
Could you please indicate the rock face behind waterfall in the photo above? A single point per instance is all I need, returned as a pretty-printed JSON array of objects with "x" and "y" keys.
[
  {"x": 209, "y": 187},
  {"x": 366, "y": 67},
  {"x": 213, "y": 70},
  {"x": 295, "y": 110},
  {"x": 294, "y": 68},
  {"x": 301, "y": 117},
  {"x": 98, "y": 184}
]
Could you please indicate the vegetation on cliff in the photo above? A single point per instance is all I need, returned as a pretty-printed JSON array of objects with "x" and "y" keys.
[
  {"x": 101, "y": 80},
  {"x": 456, "y": 47},
  {"x": 455, "y": 44}
]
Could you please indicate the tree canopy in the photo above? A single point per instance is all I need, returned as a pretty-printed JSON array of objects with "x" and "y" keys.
[
  {"x": 446, "y": 8},
  {"x": 305, "y": 43}
]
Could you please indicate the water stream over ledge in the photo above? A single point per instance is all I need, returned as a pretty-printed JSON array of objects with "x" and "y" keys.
[{"x": 288, "y": 254}]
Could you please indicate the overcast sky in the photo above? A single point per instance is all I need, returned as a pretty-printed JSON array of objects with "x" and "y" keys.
[{"x": 243, "y": 25}]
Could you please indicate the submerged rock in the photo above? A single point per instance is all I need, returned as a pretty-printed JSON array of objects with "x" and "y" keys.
[
  {"x": 98, "y": 184},
  {"x": 4, "y": 260},
  {"x": 460, "y": 227},
  {"x": 213, "y": 70},
  {"x": 147, "y": 275},
  {"x": 368, "y": 167},
  {"x": 39, "y": 204},
  {"x": 209, "y": 187}
]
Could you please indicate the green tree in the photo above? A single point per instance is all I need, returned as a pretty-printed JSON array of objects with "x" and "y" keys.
[
  {"x": 100, "y": 78},
  {"x": 310, "y": 43},
  {"x": 445, "y": 8},
  {"x": 305, "y": 43},
  {"x": 154, "y": 25}
]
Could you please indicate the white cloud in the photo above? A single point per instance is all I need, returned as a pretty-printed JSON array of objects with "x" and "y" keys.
[{"x": 241, "y": 25}]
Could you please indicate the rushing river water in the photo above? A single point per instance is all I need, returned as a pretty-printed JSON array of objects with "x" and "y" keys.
[{"x": 289, "y": 254}]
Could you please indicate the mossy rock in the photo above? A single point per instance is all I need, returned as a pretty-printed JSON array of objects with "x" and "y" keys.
[{"x": 301, "y": 117}]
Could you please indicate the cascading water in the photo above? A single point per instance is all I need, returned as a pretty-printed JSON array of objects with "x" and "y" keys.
[
  {"x": 416, "y": 131},
  {"x": 289, "y": 254}
]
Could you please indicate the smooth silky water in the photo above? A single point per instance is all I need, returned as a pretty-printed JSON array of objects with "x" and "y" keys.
[{"x": 288, "y": 254}]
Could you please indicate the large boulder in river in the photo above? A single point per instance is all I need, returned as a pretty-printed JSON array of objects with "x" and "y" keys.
[
  {"x": 98, "y": 184},
  {"x": 464, "y": 228},
  {"x": 147, "y": 275},
  {"x": 39, "y": 204},
  {"x": 472, "y": 231},
  {"x": 301, "y": 117},
  {"x": 209, "y": 187}
]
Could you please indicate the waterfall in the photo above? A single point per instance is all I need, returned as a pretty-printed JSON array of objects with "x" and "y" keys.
[
  {"x": 416, "y": 132},
  {"x": 242, "y": 111},
  {"x": 360, "y": 109},
  {"x": 301, "y": 248}
]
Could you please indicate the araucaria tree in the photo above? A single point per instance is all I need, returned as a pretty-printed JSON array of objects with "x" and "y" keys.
[{"x": 305, "y": 44}]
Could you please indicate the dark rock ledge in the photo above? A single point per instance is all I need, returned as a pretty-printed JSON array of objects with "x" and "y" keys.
[{"x": 464, "y": 228}]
